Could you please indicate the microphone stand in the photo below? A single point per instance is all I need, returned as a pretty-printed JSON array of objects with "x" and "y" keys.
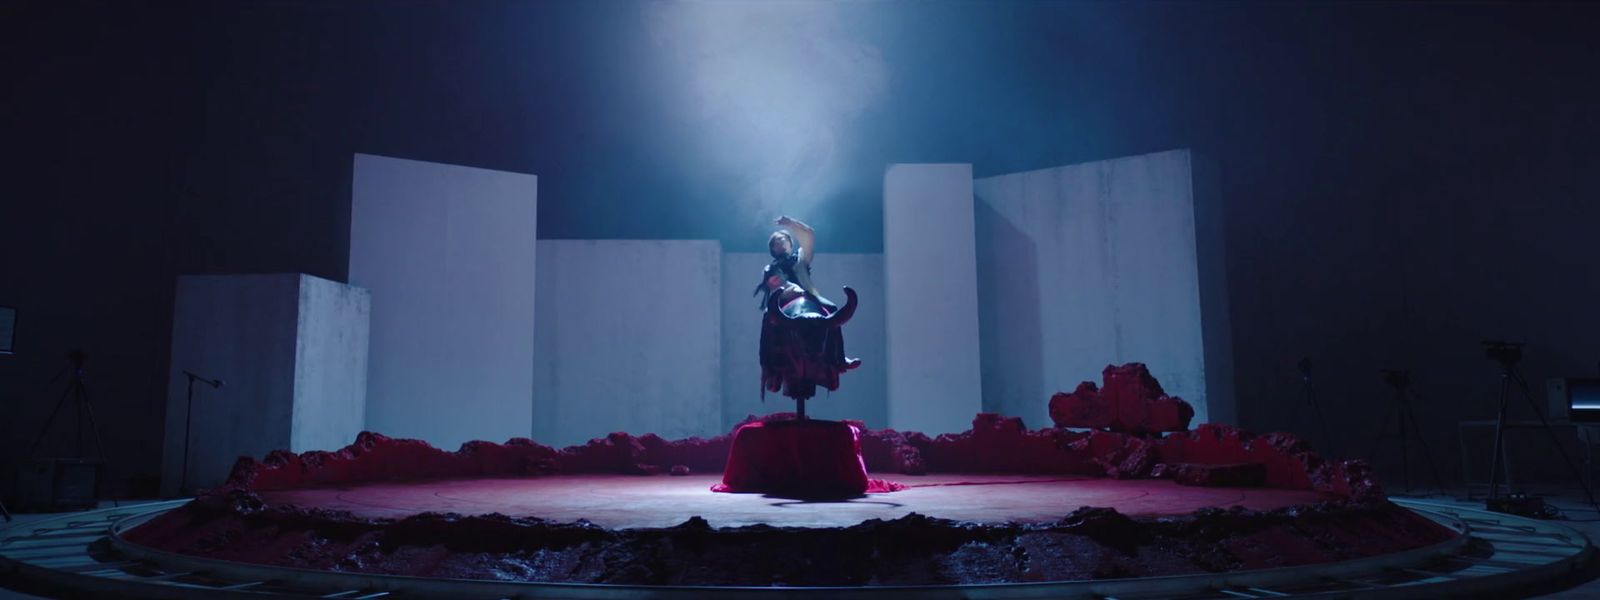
[
  {"x": 188, "y": 420},
  {"x": 1311, "y": 400}
]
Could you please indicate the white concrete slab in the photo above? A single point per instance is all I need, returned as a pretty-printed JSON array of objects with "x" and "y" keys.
[
  {"x": 930, "y": 285},
  {"x": 628, "y": 339},
  {"x": 449, "y": 255},
  {"x": 330, "y": 378},
  {"x": 1106, "y": 262},
  {"x": 291, "y": 350}
]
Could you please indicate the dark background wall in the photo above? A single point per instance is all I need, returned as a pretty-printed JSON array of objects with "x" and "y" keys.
[{"x": 1401, "y": 180}]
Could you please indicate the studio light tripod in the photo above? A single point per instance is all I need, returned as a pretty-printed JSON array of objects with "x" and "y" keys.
[
  {"x": 1406, "y": 420},
  {"x": 1508, "y": 354},
  {"x": 77, "y": 394}
]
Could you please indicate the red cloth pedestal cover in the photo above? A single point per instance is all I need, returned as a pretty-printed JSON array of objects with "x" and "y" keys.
[{"x": 801, "y": 459}]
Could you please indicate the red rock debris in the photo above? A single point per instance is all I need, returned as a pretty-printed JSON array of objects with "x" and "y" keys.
[
  {"x": 995, "y": 444},
  {"x": 1127, "y": 417},
  {"x": 1132, "y": 401}
]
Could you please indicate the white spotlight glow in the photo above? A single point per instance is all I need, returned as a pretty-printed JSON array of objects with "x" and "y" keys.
[{"x": 769, "y": 88}]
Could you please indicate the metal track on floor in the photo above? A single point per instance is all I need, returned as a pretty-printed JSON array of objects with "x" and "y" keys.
[{"x": 1496, "y": 554}]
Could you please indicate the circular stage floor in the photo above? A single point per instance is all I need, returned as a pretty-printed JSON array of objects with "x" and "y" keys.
[
  {"x": 1506, "y": 555},
  {"x": 629, "y": 501}
]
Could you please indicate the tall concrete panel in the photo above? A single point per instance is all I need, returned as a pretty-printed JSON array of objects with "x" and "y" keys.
[
  {"x": 628, "y": 339},
  {"x": 330, "y": 376},
  {"x": 1105, "y": 262},
  {"x": 291, "y": 349},
  {"x": 862, "y": 393},
  {"x": 449, "y": 254},
  {"x": 930, "y": 289}
]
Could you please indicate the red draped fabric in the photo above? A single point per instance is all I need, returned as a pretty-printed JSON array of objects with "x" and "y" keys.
[{"x": 801, "y": 459}]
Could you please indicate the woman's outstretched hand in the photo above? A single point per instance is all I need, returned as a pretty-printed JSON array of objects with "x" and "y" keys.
[{"x": 793, "y": 224}]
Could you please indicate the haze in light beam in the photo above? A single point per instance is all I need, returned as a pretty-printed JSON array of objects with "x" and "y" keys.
[{"x": 770, "y": 89}]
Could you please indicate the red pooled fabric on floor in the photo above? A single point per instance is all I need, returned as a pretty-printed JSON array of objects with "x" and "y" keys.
[{"x": 801, "y": 459}]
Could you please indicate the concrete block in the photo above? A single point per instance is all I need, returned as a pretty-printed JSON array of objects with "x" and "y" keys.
[
  {"x": 628, "y": 339},
  {"x": 292, "y": 351},
  {"x": 1102, "y": 263},
  {"x": 931, "y": 295},
  {"x": 449, "y": 254}
]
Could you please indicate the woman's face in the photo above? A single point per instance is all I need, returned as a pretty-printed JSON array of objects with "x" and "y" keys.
[{"x": 779, "y": 246}]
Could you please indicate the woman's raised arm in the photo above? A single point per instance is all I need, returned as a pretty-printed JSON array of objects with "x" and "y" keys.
[{"x": 804, "y": 235}]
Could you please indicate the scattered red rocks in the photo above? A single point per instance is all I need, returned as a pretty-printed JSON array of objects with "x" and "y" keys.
[
  {"x": 1132, "y": 401},
  {"x": 377, "y": 457},
  {"x": 1234, "y": 475},
  {"x": 999, "y": 444},
  {"x": 1351, "y": 479},
  {"x": 1127, "y": 417},
  {"x": 995, "y": 444},
  {"x": 890, "y": 451},
  {"x": 1130, "y": 411},
  {"x": 1127, "y": 420},
  {"x": 1120, "y": 455},
  {"x": 1288, "y": 459}
]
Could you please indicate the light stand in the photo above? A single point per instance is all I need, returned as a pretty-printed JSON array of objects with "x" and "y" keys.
[
  {"x": 1311, "y": 400},
  {"x": 1406, "y": 419},
  {"x": 1508, "y": 354},
  {"x": 79, "y": 392},
  {"x": 188, "y": 420}
]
